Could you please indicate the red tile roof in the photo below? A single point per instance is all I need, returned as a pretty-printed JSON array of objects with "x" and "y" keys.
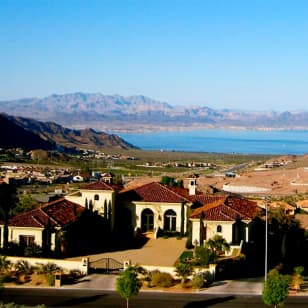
[
  {"x": 154, "y": 192},
  {"x": 60, "y": 212},
  {"x": 227, "y": 209},
  {"x": 98, "y": 186}
]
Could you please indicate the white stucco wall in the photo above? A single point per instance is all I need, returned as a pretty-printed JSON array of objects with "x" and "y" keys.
[
  {"x": 226, "y": 229},
  {"x": 159, "y": 210},
  {"x": 195, "y": 231},
  {"x": 15, "y": 232},
  {"x": 98, "y": 205}
]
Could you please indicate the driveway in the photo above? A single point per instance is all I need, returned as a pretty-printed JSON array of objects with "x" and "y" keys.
[{"x": 160, "y": 252}]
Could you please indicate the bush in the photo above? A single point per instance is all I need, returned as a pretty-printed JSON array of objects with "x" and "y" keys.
[
  {"x": 204, "y": 255},
  {"x": 51, "y": 279},
  {"x": 198, "y": 280},
  {"x": 161, "y": 279}
]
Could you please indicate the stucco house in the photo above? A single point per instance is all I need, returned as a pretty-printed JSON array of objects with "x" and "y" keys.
[
  {"x": 229, "y": 216},
  {"x": 98, "y": 196},
  {"x": 40, "y": 226},
  {"x": 156, "y": 207}
]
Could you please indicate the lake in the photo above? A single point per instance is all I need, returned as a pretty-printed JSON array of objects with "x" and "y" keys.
[{"x": 222, "y": 141}]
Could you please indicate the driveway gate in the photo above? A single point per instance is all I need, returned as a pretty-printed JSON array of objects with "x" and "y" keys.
[{"x": 105, "y": 265}]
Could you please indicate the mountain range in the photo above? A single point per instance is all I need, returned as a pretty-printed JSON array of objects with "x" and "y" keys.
[
  {"x": 29, "y": 134},
  {"x": 140, "y": 113}
]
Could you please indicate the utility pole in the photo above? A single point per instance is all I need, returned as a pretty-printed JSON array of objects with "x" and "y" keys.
[{"x": 266, "y": 232}]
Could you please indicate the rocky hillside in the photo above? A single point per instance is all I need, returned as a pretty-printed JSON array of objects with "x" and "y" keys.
[
  {"x": 118, "y": 113},
  {"x": 29, "y": 133}
]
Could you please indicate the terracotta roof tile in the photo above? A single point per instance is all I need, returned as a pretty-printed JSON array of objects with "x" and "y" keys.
[
  {"x": 154, "y": 192},
  {"x": 98, "y": 186},
  {"x": 227, "y": 209},
  {"x": 60, "y": 212}
]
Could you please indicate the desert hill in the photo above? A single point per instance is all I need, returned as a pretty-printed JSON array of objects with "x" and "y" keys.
[{"x": 29, "y": 134}]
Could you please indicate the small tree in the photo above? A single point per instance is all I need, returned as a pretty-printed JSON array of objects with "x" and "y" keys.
[
  {"x": 276, "y": 288},
  {"x": 183, "y": 270},
  {"x": 128, "y": 284},
  {"x": 204, "y": 255}
]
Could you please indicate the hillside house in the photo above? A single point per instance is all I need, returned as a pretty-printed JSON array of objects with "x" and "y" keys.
[
  {"x": 229, "y": 216},
  {"x": 97, "y": 196},
  {"x": 40, "y": 226}
]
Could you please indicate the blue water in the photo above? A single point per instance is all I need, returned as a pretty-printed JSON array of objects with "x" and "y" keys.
[{"x": 222, "y": 141}]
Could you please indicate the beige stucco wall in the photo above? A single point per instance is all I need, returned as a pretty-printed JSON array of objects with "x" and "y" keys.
[
  {"x": 65, "y": 265},
  {"x": 211, "y": 230},
  {"x": 159, "y": 210},
  {"x": 98, "y": 205},
  {"x": 15, "y": 232}
]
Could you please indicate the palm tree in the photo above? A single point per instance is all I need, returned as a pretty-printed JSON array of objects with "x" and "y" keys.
[{"x": 218, "y": 245}]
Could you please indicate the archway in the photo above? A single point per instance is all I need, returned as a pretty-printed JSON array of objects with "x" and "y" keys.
[{"x": 147, "y": 220}]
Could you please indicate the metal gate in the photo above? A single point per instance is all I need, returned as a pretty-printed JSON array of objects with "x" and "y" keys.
[{"x": 105, "y": 265}]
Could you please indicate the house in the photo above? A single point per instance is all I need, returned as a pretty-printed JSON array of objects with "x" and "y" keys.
[
  {"x": 303, "y": 205},
  {"x": 229, "y": 216},
  {"x": 99, "y": 196},
  {"x": 156, "y": 207},
  {"x": 40, "y": 226}
]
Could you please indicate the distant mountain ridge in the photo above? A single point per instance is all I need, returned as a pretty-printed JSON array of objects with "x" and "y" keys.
[
  {"x": 135, "y": 113},
  {"x": 32, "y": 134}
]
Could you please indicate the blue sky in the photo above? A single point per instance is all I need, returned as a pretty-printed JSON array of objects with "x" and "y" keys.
[{"x": 250, "y": 54}]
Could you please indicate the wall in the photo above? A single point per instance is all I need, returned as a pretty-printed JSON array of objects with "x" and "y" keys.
[
  {"x": 65, "y": 265},
  {"x": 159, "y": 210}
]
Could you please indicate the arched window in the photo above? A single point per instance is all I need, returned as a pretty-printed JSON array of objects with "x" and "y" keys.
[
  {"x": 96, "y": 197},
  {"x": 147, "y": 220},
  {"x": 170, "y": 220},
  {"x": 219, "y": 229}
]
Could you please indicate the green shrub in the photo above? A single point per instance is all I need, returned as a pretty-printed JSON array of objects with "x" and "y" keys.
[
  {"x": 198, "y": 281},
  {"x": 161, "y": 279},
  {"x": 51, "y": 279}
]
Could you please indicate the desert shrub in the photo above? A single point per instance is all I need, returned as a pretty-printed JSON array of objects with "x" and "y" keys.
[
  {"x": 23, "y": 266},
  {"x": 51, "y": 279},
  {"x": 161, "y": 279},
  {"x": 5, "y": 264},
  {"x": 47, "y": 268},
  {"x": 197, "y": 280},
  {"x": 204, "y": 255}
]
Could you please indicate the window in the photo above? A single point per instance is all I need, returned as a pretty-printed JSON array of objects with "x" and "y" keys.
[
  {"x": 26, "y": 240},
  {"x": 219, "y": 229},
  {"x": 170, "y": 220},
  {"x": 96, "y": 197}
]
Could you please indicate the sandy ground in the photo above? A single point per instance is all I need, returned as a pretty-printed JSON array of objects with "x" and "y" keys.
[{"x": 276, "y": 181}]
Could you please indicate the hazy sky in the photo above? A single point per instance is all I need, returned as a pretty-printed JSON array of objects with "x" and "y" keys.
[{"x": 249, "y": 54}]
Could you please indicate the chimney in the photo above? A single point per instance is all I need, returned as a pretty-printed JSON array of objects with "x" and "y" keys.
[{"x": 192, "y": 184}]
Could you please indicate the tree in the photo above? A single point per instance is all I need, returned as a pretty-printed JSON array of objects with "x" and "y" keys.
[
  {"x": 276, "y": 288},
  {"x": 204, "y": 255},
  {"x": 128, "y": 284},
  {"x": 218, "y": 245},
  {"x": 183, "y": 270},
  {"x": 25, "y": 203},
  {"x": 8, "y": 201}
]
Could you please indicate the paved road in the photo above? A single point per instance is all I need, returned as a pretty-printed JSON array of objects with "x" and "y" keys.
[
  {"x": 252, "y": 286},
  {"x": 90, "y": 298}
]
